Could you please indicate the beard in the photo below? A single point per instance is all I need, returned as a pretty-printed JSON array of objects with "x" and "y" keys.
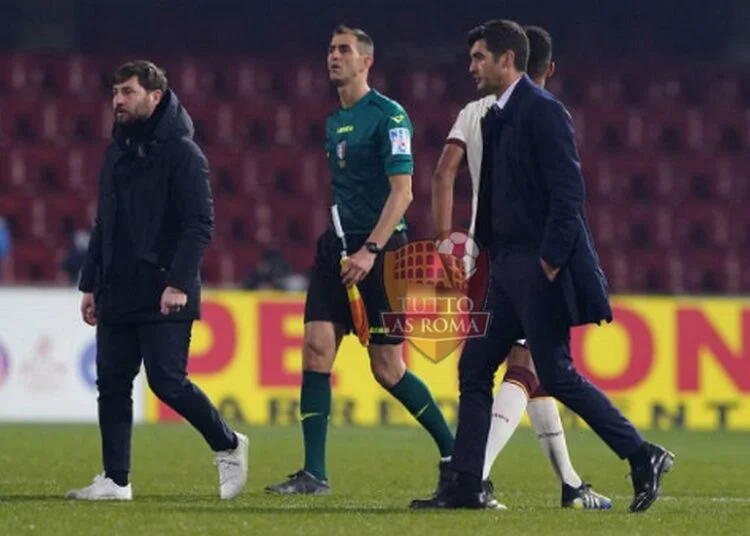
[{"x": 131, "y": 124}]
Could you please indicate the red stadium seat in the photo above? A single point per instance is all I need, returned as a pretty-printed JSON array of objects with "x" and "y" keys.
[
  {"x": 708, "y": 271},
  {"x": 701, "y": 225},
  {"x": 662, "y": 149},
  {"x": 658, "y": 271},
  {"x": 37, "y": 168},
  {"x": 226, "y": 170},
  {"x": 65, "y": 214},
  {"x": 602, "y": 219},
  {"x": 644, "y": 226},
  {"x": 81, "y": 172},
  {"x": 422, "y": 86},
  {"x": 25, "y": 216},
  {"x": 254, "y": 122},
  {"x": 604, "y": 179},
  {"x": 673, "y": 131},
  {"x": 424, "y": 167},
  {"x": 249, "y": 79},
  {"x": 31, "y": 120},
  {"x": 234, "y": 220},
  {"x": 727, "y": 130},
  {"x": 21, "y": 74},
  {"x": 311, "y": 82},
  {"x": 608, "y": 130},
  {"x": 74, "y": 75},
  {"x": 213, "y": 121},
  {"x": 85, "y": 120},
  {"x": 36, "y": 262},
  {"x": 616, "y": 267},
  {"x": 192, "y": 78},
  {"x": 739, "y": 229}
]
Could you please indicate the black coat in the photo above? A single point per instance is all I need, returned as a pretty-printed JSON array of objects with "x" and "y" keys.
[
  {"x": 532, "y": 194},
  {"x": 156, "y": 184}
]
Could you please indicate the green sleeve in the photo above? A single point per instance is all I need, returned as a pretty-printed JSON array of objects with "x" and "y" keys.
[{"x": 396, "y": 134}]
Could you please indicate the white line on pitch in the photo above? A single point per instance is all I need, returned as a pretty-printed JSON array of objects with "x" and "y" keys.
[{"x": 742, "y": 500}]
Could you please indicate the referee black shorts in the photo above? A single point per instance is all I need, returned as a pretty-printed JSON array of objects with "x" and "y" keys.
[{"x": 326, "y": 295}]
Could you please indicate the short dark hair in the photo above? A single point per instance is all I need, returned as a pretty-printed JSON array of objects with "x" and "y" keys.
[
  {"x": 540, "y": 51},
  {"x": 150, "y": 76},
  {"x": 365, "y": 43},
  {"x": 501, "y": 36}
]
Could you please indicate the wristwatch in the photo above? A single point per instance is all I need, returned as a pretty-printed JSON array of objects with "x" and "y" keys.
[{"x": 373, "y": 247}]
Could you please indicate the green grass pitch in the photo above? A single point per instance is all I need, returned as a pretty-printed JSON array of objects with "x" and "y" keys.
[{"x": 374, "y": 474}]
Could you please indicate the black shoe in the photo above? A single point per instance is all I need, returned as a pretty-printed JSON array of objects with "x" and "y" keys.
[
  {"x": 647, "y": 468},
  {"x": 454, "y": 496},
  {"x": 446, "y": 475},
  {"x": 488, "y": 497},
  {"x": 584, "y": 498},
  {"x": 301, "y": 483}
]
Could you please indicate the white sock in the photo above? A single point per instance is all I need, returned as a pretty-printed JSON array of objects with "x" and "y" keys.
[
  {"x": 545, "y": 418},
  {"x": 507, "y": 410}
]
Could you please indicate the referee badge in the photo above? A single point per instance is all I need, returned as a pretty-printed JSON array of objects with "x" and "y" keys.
[{"x": 341, "y": 152}]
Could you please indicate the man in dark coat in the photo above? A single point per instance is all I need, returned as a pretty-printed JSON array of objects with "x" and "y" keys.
[
  {"x": 141, "y": 279},
  {"x": 545, "y": 272}
]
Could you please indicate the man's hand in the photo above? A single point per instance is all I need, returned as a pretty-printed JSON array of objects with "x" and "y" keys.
[
  {"x": 357, "y": 267},
  {"x": 88, "y": 308},
  {"x": 550, "y": 272},
  {"x": 173, "y": 300}
]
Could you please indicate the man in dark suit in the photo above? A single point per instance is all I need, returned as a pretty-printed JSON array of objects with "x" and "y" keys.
[
  {"x": 140, "y": 279},
  {"x": 545, "y": 272}
]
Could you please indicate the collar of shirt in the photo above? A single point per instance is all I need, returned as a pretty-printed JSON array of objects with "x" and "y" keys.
[{"x": 503, "y": 99}]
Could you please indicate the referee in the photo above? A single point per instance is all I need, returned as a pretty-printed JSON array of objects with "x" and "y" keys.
[{"x": 368, "y": 149}]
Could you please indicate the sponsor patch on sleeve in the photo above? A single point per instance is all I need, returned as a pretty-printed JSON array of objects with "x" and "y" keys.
[{"x": 400, "y": 140}]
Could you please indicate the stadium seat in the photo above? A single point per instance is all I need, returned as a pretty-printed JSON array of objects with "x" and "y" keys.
[
  {"x": 662, "y": 149},
  {"x": 602, "y": 219},
  {"x": 311, "y": 83},
  {"x": 85, "y": 120},
  {"x": 601, "y": 176},
  {"x": 65, "y": 214},
  {"x": 608, "y": 130},
  {"x": 37, "y": 168},
  {"x": 233, "y": 219},
  {"x": 673, "y": 131},
  {"x": 192, "y": 78},
  {"x": 36, "y": 262},
  {"x": 727, "y": 130},
  {"x": 25, "y": 217},
  {"x": 701, "y": 225},
  {"x": 21, "y": 74},
  {"x": 225, "y": 165},
  {"x": 660, "y": 271},
  {"x": 644, "y": 226},
  {"x": 617, "y": 269},
  {"x": 707, "y": 271},
  {"x": 81, "y": 174},
  {"x": 74, "y": 75},
  {"x": 739, "y": 229},
  {"x": 248, "y": 79},
  {"x": 31, "y": 120}
]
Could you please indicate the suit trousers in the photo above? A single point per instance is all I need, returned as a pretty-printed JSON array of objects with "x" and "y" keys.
[
  {"x": 523, "y": 303},
  {"x": 163, "y": 348}
]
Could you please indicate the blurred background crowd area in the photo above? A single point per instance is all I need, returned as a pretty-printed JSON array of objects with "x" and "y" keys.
[{"x": 659, "y": 92}]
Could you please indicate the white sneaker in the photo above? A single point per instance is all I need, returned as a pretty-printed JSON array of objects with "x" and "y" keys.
[
  {"x": 233, "y": 468},
  {"x": 102, "y": 489}
]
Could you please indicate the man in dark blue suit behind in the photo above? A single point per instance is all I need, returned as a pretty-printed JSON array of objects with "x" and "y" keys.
[{"x": 545, "y": 271}]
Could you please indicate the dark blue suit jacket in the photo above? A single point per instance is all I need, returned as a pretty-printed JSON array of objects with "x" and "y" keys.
[{"x": 532, "y": 193}]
